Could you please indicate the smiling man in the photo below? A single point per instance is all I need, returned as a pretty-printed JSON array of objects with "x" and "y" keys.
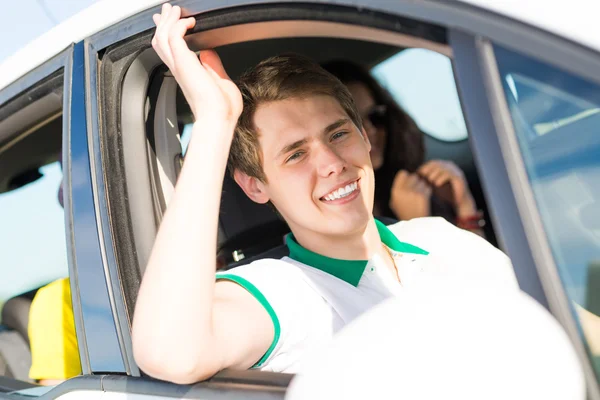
[{"x": 296, "y": 141}]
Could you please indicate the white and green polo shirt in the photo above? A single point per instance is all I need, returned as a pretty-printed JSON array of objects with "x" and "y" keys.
[{"x": 310, "y": 297}]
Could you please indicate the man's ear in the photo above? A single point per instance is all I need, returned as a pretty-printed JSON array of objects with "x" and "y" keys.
[
  {"x": 366, "y": 138},
  {"x": 253, "y": 187}
]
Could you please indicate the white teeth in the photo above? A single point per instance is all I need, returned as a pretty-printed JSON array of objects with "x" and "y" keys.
[{"x": 342, "y": 192}]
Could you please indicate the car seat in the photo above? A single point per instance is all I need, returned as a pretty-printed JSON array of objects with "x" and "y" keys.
[{"x": 15, "y": 355}]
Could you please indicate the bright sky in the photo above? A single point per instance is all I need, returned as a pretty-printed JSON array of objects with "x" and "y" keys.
[
  {"x": 24, "y": 20},
  {"x": 34, "y": 248}
]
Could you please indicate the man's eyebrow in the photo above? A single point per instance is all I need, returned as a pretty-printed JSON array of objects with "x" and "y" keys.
[
  {"x": 299, "y": 143},
  {"x": 292, "y": 146},
  {"x": 335, "y": 125}
]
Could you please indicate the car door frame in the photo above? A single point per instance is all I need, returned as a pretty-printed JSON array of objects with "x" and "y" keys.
[{"x": 503, "y": 172}]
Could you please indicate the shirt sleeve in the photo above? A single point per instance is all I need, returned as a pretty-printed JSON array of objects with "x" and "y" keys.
[
  {"x": 294, "y": 307},
  {"x": 54, "y": 350}
]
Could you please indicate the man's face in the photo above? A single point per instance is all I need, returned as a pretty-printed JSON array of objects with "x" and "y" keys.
[{"x": 317, "y": 165}]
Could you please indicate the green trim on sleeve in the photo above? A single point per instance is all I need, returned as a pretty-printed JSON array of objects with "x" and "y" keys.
[{"x": 253, "y": 290}]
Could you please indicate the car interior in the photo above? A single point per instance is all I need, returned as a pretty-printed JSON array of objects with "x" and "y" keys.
[{"x": 247, "y": 231}]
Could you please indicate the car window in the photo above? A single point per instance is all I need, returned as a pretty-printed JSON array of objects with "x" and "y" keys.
[
  {"x": 557, "y": 122},
  {"x": 186, "y": 135},
  {"x": 32, "y": 234},
  {"x": 422, "y": 82}
]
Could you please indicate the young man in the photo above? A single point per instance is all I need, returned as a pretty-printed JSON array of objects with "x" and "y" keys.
[{"x": 299, "y": 144}]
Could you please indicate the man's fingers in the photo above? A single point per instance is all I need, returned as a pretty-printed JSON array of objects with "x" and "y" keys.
[
  {"x": 160, "y": 42},
  {"x": 156, "y": 19},
  {"x": 174, "y": 15},
  {"x": 211, "y": 58},
  {"x": 179, "y": 48},
  {"x": 190, "y": 22},
  {"x": 169, "y": 34}
]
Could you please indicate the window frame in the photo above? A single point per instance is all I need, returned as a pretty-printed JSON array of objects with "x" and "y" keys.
[
  {"x": 111, "y": 180},
  {"x": 511, "y": 196}
]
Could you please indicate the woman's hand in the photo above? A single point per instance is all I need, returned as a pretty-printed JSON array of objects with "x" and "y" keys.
[
  {"x": 440, "y": 172},
  {"x": 410, "y": 196},
  {"x": 207, "y": 88}
]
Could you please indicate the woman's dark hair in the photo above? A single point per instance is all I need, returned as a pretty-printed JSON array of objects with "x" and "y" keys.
[{"x": 404, "y": 148}]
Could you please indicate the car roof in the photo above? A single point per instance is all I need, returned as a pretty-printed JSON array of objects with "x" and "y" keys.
[{"x": 573, "y": 20}]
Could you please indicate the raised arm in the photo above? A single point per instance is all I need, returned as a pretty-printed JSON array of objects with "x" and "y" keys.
[{"x": 185, "y": 327}]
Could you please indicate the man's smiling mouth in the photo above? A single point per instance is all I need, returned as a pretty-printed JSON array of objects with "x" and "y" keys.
[{"x": 341, "y": 192}]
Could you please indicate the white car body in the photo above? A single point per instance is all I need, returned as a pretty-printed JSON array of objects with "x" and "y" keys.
[{"x": 574, "y": 20}]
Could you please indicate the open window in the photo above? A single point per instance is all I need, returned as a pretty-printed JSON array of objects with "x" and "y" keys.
[
  {"x": 154, "y": 137},
  {"x": 146, "y": 123}
]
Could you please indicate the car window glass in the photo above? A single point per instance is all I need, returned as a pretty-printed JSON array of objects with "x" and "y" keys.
[
  {"x": 422, "y": 82},
  {"x": 32, "y": 234},
  {"x": 186, "y": 135},
  {"x": 557, "y": 122}
]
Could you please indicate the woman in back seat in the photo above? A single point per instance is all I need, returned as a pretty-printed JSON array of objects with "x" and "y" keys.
[{"x": 407, "y": 186}]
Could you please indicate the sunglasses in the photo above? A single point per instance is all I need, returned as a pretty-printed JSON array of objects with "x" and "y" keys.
[{"x": 377, "y": 115}]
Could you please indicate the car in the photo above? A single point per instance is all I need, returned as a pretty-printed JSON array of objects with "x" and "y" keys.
[{"x": 509, "y": 91}]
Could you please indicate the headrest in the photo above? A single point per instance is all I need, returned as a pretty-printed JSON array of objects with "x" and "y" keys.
[{"x": 240, "y": 214}]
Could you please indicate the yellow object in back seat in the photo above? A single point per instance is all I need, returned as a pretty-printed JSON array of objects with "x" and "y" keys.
[{"x": 54, "y": 350}]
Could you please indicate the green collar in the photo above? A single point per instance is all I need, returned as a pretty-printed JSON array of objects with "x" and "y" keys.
[{"x": 348, "y": 270}]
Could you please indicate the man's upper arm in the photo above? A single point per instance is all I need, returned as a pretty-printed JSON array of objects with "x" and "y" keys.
[{"x": 244, "y": 324}]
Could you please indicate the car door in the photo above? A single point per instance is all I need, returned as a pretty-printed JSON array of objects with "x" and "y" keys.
[{"x": 536, "y": 138}]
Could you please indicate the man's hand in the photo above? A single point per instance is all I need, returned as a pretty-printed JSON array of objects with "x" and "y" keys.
[
  {"x": 206, "y": 86},
  {"x": 410, "y": 196},
  {"x": 440, "y": 172}
]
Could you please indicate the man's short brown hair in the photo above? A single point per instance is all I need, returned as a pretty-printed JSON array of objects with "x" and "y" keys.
[{"x": 274, "y": 79}]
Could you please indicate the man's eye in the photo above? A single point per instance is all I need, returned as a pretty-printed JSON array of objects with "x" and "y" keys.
[
  {"x": 294, "y": 156},
  {"x": 338, "y": 135}
]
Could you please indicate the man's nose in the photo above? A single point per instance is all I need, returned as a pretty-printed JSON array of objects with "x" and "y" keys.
[{"x": 329, "y": 162}]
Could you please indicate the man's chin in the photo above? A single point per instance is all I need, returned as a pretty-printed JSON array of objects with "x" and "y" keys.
[{"x": 349, "y": 223}]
